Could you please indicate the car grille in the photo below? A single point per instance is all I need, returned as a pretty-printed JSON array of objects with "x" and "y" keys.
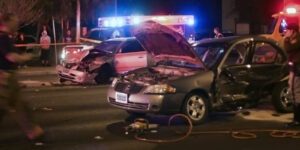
[
  {"x": 129, "y": 88},
  {"x": 141, "y": 106},
  {"x": 70, "y": 65}
]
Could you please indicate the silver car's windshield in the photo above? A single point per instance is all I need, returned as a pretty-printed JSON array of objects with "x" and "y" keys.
[
  {"x": 108, "y": 46},
  {"x": 210, "y": 54}
]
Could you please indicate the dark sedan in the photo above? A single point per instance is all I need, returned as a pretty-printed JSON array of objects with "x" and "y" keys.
[{"x": 234, "y": 72}]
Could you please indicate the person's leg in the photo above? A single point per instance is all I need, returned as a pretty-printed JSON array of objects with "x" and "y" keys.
[
  {"x": 22, "y": 115},
  {"x": 42, "y": 57},
  {"x": 20, "y": 111},
  {"x": 2, "y": 113},
  {"x": 3, "y": 96},
  {"x": 295, "y": 87},
  {"x": 48, "y": 57},
  {"x": 297, "y": 98}
]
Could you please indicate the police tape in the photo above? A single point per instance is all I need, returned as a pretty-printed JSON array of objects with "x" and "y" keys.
[
  {"x": 40, "y": 45},
  {"x": 59, "y": 44}
]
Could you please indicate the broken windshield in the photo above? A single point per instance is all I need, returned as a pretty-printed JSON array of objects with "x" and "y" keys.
[{"x": 210, "y": 54}]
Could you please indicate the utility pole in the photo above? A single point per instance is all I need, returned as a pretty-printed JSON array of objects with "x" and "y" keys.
[{"x": 78, "y": 22}]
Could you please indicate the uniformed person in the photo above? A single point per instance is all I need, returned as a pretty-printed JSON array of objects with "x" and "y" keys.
[
  {"x": 10, "y": 102},
  {"x": 292, "y": 47}
]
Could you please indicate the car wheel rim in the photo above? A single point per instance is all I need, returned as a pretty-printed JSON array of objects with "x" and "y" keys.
[
  {"x": 195, "y": 107},
  {"x": 285, "y": 97}
]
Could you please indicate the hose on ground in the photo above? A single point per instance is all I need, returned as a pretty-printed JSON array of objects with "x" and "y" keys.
[{"x": 237, "y": 134}]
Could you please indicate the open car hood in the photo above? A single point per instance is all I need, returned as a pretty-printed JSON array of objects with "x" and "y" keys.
[{"x": 164, "y": 43}]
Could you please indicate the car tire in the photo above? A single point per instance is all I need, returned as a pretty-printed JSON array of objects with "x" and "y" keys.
[
  {"x": 62, "y": 80},
  {"x": 104, "y": 75},
  {"x": 196, "y": 108},
  {"x": 280, "y": 98}
]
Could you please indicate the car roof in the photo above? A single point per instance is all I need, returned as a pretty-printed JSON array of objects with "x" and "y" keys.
[{"x": 230, "y": 40}]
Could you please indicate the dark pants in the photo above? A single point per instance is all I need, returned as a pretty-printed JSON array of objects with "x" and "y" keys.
[
  {"x": 10, "y": 102},
  {"x": 294, "y": 84}
]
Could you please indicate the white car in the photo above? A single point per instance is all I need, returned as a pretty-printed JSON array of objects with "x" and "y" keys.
[{"x": 98, "y": 64}]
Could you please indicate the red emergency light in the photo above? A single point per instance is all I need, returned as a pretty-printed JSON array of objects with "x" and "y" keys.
[
  {"x": 135, "y": 20},
  {"x": 291, "y": 10}
]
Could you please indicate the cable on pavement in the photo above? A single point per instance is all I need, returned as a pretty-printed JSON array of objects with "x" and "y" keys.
[{"x": 236, "y": 134}]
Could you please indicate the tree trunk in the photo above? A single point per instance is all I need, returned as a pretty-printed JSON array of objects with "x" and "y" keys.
[
  {"x": 54, "y": 39},
  {"x": 62, "y": 30},
  {"x": 78, "y": 22}
]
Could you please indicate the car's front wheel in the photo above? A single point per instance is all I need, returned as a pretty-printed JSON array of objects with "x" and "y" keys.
[
  {"x": 196, "y": 108},
  {"x": 281, "y": 98},
  {"x": 61, "y": 80}
]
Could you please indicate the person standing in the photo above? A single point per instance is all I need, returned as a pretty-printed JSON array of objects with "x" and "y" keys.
[
  {"x": 45, "y": 42},
  {"x": 10, "y": 98},
  {"x": 68, "y": 38},
  {"x": 22, "y": 49},
  {"x": 84, "y": 32},
  {"x": 218, "y": 33},
  {"x": 292, "y": 47}
]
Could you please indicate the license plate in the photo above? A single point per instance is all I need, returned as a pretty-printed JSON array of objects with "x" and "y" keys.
[
  {"x": 121, "y": 98},
  {"x": 65, "y": 70}
]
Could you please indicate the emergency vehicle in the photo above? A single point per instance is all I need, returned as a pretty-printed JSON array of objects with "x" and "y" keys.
[
  {"x": 113, "y": 27},
  {"x": 121, "y": 26},
  {"x": 290, "y": 15}
]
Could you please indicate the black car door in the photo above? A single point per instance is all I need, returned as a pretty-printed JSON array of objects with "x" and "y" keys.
[
  {"x": 232, "y": 79},
  {"x": 266, "y": 67}
]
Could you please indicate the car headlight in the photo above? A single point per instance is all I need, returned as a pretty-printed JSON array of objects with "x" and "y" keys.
[
  {"x": 63, "y": 55},
  {"x": 114, "y": 82},
  {"x": 160, "y": 89}
]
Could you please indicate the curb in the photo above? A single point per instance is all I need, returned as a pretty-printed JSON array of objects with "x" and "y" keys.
[
  {"x": 27, "y": 84},
  {"x": 58, "y": 88},
  {"x": 37, "y": 71},
  {"x": 28, "y": 73}
]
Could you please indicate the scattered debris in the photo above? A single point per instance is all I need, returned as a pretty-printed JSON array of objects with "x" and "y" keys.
[
  {"x": 246, "y": 113},
  {"x": 42, "y": 109},
  {"x": 46, "y": 109},
  {"x": 38, "y": 144},
  {"x": 153, "y": 131},
  {"x": 98, "y": 138}
]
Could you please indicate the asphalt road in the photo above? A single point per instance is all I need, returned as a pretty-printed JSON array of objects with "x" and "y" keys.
[
  {"x": 50, "y": 78},
  {"x": 78, "y": 118}
]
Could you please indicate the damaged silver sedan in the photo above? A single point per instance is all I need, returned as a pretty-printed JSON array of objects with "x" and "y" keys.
[
  {"x": 232, "y": 72},
  {"x": 100, "y": 63}
]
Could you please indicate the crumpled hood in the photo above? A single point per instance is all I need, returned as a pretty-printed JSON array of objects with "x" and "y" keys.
[
  {"x": 158, "y": 74},
  {"x": 75, "y": 54},
  {"x": 163, "y": 42}
]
